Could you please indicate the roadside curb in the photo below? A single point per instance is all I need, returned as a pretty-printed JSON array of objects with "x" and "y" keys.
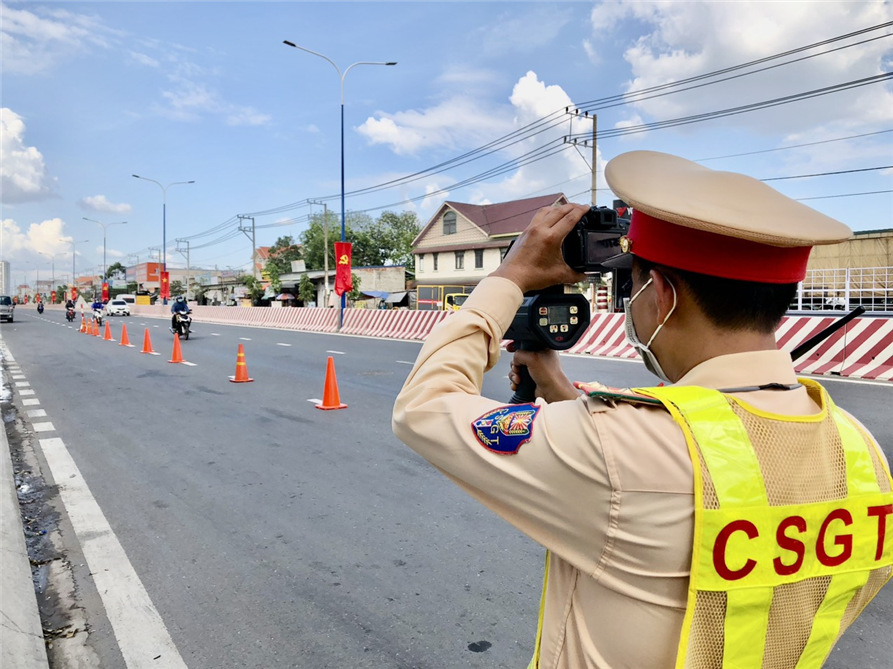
[{"x": 21, "y": 635}]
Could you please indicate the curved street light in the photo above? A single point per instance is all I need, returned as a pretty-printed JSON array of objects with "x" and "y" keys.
[
  {"x": 105, "y": 227},
  {"x": 163, "y": 217},
  {"x": 341, "y": 75},
  {"x": 74, "y": 276}
]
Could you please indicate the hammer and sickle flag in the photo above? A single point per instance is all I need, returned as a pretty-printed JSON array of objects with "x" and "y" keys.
[{"x": 343, "y": 280}]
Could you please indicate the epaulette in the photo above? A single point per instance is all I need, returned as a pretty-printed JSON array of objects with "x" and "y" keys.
[{"x": 608, "y": 395}]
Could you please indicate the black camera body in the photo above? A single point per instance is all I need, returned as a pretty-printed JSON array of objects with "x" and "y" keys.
[{"x": 594, "y": 239}]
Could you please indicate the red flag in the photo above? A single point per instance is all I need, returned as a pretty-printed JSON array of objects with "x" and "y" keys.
[
  {"x": 74, "y": 293},
  {"x": 105, "y": 291},
  {"x": 165, "y": 285},
  {"x": 54, "y": 297},
  {"x": 343, "y": 280}
]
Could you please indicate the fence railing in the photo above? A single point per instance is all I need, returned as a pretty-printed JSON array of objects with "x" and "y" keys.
[{"x": 844, "y": 289}]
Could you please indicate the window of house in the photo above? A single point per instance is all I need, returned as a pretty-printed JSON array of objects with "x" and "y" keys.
[
  {"x": 460, "y": 259},
  {"x": 449, "y": 223},
  {"x": 479, "y": 258},
  {"x": 421, "y": 267},
  {"x": 434, "y": 255},
  {"x": 502, "y": 253}
]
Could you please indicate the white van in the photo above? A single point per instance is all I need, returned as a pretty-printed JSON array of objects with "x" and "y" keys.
[{"x": 130, "y": 299}]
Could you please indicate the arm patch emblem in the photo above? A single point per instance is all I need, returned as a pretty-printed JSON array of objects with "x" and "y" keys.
[{"x": 506, "y": 429}]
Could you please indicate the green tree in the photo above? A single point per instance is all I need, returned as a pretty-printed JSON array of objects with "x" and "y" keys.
[
  {"x": 282, "y": 252},
  {"x": 394, "y": 234},
  {"x": 255, "y": 289},
  {"x": 354, "y": 294},
  {"x": 177, "y": 288},
  {"x": 306, "y": 291},
  {"x": 115, "y": 269},
  {"x": 60, "y": 293}
]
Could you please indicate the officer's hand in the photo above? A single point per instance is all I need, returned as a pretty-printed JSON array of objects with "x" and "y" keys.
[
  {"x": 545, "y": 370},
  {"x": 535, "y": 260}
]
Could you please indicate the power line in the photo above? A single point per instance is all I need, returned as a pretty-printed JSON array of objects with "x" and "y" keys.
[
  {"x": 793, "y": 146},
  {"x": 825, "y": 174},
  {"x": 829, "y": 197}
]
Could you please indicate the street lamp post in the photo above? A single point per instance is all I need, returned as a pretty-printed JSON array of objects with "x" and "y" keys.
[
  {"x": 52, "y": 258},
  {"x": 105, "y": 227},
  {"x": 74, "y": 275},
  {"x": 163, "y": 217},
  {"x": 342, "y": 76}
]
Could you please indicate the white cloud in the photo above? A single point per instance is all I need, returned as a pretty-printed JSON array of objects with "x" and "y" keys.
[
  {"x": 100, "y": 203},
  {"x": 683, "y": 39},
  {"x": 45, "y": 237},
  {"x": 23, "y": 175},
  {"x": 34, "y": 41},
  {"x": 143, "y": 59},
  {"x": 191, "y": 99},
  {"x": 110, "y": 254},
  {"x": 517, "y": 32},
  {"x": 458, "y": 121}
]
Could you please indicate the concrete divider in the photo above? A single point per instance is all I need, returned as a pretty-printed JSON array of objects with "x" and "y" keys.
[{"x": 864, "y": 349}]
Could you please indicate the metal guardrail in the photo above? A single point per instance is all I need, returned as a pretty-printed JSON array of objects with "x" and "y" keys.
[{"x": 846, "y": 289}]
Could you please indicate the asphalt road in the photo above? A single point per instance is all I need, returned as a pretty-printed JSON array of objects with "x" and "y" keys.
[{"x": 271, "y": 534}]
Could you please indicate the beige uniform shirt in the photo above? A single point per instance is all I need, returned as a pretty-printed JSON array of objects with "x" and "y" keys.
[{"x": 608, "y": 488}]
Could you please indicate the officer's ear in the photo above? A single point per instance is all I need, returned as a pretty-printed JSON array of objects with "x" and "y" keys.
[{"x": 666, "y": 293}]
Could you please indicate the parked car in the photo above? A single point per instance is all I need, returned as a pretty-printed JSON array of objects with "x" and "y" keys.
[
  {"x": 7, "y": 308},
  {"x": 117, "y": 307}
]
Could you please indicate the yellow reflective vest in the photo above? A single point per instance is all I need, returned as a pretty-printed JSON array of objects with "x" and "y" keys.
[{"x": 787, "y": 551}]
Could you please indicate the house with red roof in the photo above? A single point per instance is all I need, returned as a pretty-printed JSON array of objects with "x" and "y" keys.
[{"x": 462, "y": 243}]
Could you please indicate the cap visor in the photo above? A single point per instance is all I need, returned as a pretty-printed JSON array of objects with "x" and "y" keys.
[{"x": 620, "y": 261}]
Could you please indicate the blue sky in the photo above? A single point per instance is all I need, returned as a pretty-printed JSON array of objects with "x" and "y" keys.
[{"x": 95, "y": 92}]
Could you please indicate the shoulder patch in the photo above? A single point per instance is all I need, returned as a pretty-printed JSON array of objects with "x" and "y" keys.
[
  {"x": 506, "y": 429},
  {"x": 598, "y": 391}
]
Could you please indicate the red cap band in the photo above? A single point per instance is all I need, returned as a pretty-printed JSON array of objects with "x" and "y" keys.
[{"x": 715, "y": 255}]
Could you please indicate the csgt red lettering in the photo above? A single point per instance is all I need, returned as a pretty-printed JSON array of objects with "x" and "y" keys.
[
  {"x": 790, "y": 544},
  {"x": 719, "y": 550},
  {"x": 881, "y": 512},
  {"x": 844, "y": 540}
]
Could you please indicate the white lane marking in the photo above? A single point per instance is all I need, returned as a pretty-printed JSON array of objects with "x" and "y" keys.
[
  {"x": 336, "y": 352},
  {"x": 23, "y": 384},
  {"x": 315, "y": 401},
  {"x": 43, "y": 427},
  {"x": 27, "y": 392},
  {"x": 154, "y": 326},
  {"x": 189, "y": 364},
  {"x": 245, "y": 338},
  {"x": 31, "y": 402},
  {"x": 37, "y": 413},
  {"x": 405, "y": 362},
  {"x": 139, "y": 629},
  {"x": 153, "y": 353},
  {"x": 214, "y": 334},
  {"x": 281, "y": 344},
  {"x": 18, "y": 376}
]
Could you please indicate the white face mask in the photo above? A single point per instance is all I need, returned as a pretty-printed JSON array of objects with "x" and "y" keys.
[{"x": 644, "y": 350}]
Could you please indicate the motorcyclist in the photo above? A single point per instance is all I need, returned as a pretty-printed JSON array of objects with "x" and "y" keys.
[
  {"x": 97, "y": 307},
  {"x": 69, "y": 304},
  {"x": 40, "y": 307},
  {"x": 178, "y": 306}
]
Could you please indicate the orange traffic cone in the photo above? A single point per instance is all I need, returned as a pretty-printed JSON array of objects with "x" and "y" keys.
[
  {"x": 83, "y": 327},
  {"x": 108, "y": 332},
  {"x": 241, "y": 368},
  {"x": 147, "y": 344},
  {"x": 124, "y": 339},
  {"x": 176, "y": 356},
  {"x": 330, "y": 397},
  {"x": 95, "y": 328}
]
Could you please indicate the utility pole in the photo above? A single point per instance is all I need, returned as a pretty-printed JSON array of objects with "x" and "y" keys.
[
  {"x": 253, "y": 241},
  {"x": 136, "y": 271},
  {"x": 325, "y": 255},
  {"x": 594, "y": 156},
  {"x": 188, "y": 266}
]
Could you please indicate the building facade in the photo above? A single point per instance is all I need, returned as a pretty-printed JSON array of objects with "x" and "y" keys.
[{"x": 5, "y": 280}]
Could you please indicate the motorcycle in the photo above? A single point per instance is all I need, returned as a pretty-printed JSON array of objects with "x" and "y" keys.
[
  {"x": 97, "y": 316},
  {"x": 40, "y": 307},
  {"x": 69, "y": 314},
  {"x": 183, "y": 323}
]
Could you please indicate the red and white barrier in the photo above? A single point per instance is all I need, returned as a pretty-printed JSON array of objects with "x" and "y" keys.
[{"x": 863, "y": 349}]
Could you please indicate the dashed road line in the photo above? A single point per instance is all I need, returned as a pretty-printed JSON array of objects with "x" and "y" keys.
[
  {"x": 245, "y": 338},
  {"x": 138, "y": 627},
  {"x": 214, "y": 334},
  {"x": 22, "y": 384},
  {"x": 26, "y": 392},
  {"x": 189, "y": 364},
  {"x": 405, "y": 362},
  {"x": 31, "y": 402},
  {"x": 37, "y": 413},
  {"x": 18, "y": 376},
  {"x": 336, "y": 352},
  {"x": 315, "y": 400},
  {"x": 278, "y": 343},
  {"x": 43, "y": 427}
]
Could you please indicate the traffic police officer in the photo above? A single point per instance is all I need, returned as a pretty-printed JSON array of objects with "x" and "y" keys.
[{"x": 736, "y": 518}]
